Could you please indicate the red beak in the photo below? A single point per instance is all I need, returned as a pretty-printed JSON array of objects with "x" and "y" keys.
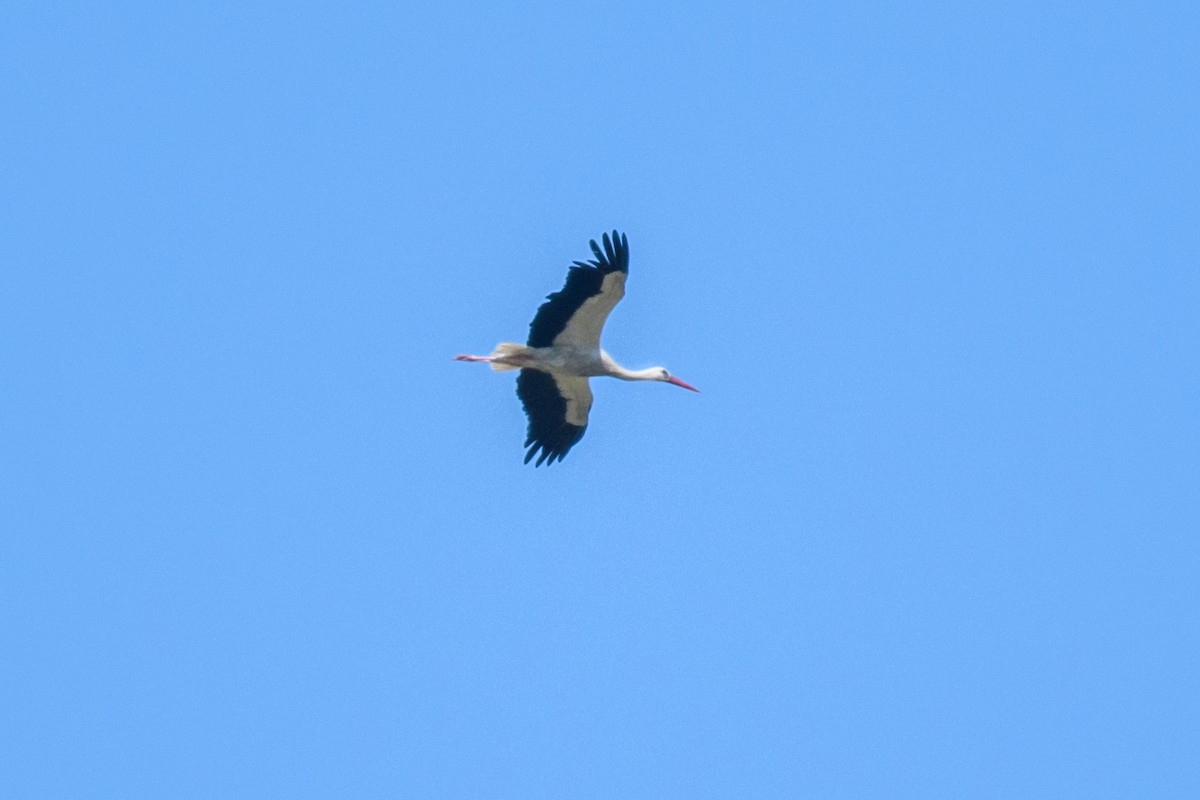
[{"x": 678, "y": 382}]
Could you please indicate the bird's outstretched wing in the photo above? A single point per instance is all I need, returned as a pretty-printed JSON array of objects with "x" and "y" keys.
[
  {"x": 557, "y": 407},
  {"x": 574, "y": 315}
]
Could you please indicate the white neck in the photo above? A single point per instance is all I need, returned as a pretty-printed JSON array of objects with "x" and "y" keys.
[
  {"x": 650, "y": 374},
  {"x": 617, "y": 371}
]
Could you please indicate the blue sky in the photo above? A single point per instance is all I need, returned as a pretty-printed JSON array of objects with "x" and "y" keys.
[{"x": 929, "y": 530}]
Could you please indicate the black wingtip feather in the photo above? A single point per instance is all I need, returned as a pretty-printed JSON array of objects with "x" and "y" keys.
[{"x": 608, "y": 247}]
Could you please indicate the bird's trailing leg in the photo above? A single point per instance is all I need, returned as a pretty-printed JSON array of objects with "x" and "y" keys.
[{"x": 507, "y": 355}]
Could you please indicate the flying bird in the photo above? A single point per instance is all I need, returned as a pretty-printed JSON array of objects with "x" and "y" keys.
[{"x": 563, "y": 351}]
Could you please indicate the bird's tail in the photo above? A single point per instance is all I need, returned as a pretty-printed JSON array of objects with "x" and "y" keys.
[{"x": 509, "y": 355}]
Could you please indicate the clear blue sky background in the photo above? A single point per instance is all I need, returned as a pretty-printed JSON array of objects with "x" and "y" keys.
[{"x": 930, "y": 530}]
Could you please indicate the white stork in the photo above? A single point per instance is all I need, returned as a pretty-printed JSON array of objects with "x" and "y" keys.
[{"x": 564, "y": 351}]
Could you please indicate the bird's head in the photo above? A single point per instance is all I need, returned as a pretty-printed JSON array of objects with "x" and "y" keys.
[{"x": 667, "y": 377}]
